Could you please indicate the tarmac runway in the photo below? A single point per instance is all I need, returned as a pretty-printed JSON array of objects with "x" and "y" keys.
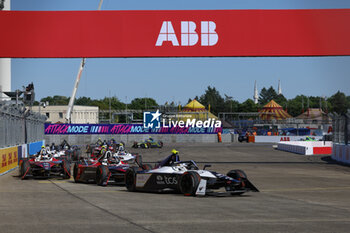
[{"x": 297, "y": 194}]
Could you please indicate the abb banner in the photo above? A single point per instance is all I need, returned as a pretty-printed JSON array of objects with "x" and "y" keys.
[{"x": 190, "y": 33}]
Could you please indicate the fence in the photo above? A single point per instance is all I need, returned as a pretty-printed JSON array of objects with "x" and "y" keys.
[
  {"x": 19, "y": 125},
  {"x": 341, "y": 128}
]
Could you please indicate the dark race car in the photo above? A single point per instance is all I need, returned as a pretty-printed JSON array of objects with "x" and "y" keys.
[
  {"x": 149, "y": 143},
  {"x": 185, "y": 177},
  {"x": 44, "y": 166},
  {"x": 72, "y": 153},
  {"x": 109, "y": 167},
  {"x": 94, "y": 149}
]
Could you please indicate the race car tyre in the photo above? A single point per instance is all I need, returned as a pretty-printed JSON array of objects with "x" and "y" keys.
[
  {"x": 237, "y": 174},
  {"x": 146, "y": 167},
  {"x": 25, "y": 168},
  {"x": 75, "y": 172},
  {"x": 68, "y": 155},
  {"x": 130, "y": 179},
  {"x": 138, "y": 160},
  {"x": 75, "y": 155},
  {"x": 134, "y": 145},
  {"x": 240, "y": 175},
  {"x": 143, "y": 146},
  {"x": 66, "y": 169},
  {"x": 189, "y": 182},
  {"x": 160, "y": 144},
  {"x": 102, "y": 175}
]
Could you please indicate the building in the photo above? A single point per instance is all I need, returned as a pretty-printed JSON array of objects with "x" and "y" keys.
[{"x": 80, "y": 114}]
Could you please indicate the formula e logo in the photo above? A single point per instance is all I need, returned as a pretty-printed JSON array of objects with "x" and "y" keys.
[
  {"x": 189, "y": 36},
  {"x": 151, "y": 119}
]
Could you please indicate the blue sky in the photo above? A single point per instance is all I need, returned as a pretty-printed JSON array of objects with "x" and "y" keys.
[{"x": 168, "y": 79}]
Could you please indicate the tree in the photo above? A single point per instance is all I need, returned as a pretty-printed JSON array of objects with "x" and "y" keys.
[
  {"x": 143, "y": 103},
  {"x": 230, "y": 105},
  {"x": 339, "y": 103},
  {"x": 85, "y": 101},
  {"x": 266, "y": 95},
  {"x": 295, "y": 106},
  {"x": 56, "y": 100},
  {"x": 213, "y": 97},
  {"x": 281, "y": 100},
  {"x": 248, "y": 106}
]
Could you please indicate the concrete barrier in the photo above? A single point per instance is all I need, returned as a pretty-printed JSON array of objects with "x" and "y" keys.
[
  {"x": 306, "y": 147},
  {"x": 341, "y": 153}
]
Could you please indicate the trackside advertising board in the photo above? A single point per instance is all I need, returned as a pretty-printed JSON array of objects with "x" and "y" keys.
[
  {"x": 175, "y": 33},
  {"x": 125, "y": 129},
  {"x": 8, "y": 159}
]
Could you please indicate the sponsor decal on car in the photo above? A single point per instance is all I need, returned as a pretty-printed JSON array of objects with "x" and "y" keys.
[
  {"x": 160, "y": 180},
  {"x": 166, "y": 179}
]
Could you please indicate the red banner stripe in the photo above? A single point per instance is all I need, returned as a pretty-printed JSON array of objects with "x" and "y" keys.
[{"x": 135, "y": 33}]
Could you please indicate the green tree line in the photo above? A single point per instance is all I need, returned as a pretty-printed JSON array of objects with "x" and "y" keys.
[{"x": 338, "y": 102}]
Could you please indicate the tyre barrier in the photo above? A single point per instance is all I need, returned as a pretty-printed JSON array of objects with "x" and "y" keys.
[{"x": 306, "y": 148}]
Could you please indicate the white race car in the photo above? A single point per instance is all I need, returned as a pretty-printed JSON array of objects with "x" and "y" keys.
[{"x": 185, "y": 177}]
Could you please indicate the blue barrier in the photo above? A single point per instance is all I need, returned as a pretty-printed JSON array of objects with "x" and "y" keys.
[
  {"x": 19, "y": 152},
  {"x": 35, "y": 147}
]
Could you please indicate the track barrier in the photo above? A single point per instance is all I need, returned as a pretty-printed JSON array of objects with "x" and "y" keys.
[
  {"x": 10, "y": 156},
  {"x": 341, "y": 153},
  {"x": 307, "y": 147}
]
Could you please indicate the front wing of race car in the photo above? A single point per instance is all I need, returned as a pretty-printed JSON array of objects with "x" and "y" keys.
[{"x": 41, "y": 169}]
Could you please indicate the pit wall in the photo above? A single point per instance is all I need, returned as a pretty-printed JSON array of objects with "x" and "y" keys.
[
  {"x": 341, "y": 153},
  {"x": 307, "y": 147},
  {"x": 129, "y": 139},
  {"x": 10, "y": 156}
]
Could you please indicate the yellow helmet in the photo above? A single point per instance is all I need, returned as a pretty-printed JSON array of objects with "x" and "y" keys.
[
  {"x": 174, "y": 152},
  {"x": 42, "y": 146}
]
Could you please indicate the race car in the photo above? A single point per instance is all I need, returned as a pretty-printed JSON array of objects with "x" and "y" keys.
[
  {"x": 72, "y": 153},
  {"x": 94, "y": 150},
  {"x": 149, "y": 143},
  {"x": 109, "y": 167},
  {"x": 185, "y": 177},
  {"x": 44, "y": 165}
]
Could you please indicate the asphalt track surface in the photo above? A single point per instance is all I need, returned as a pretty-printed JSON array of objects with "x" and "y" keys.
[{"x": 298, "y": 194}]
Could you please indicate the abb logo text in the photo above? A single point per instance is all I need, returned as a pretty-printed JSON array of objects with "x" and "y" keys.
[{"x": 189, "y": 36}]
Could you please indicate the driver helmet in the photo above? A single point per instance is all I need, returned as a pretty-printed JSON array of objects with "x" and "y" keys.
[{"x": 174, "y": 152}]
